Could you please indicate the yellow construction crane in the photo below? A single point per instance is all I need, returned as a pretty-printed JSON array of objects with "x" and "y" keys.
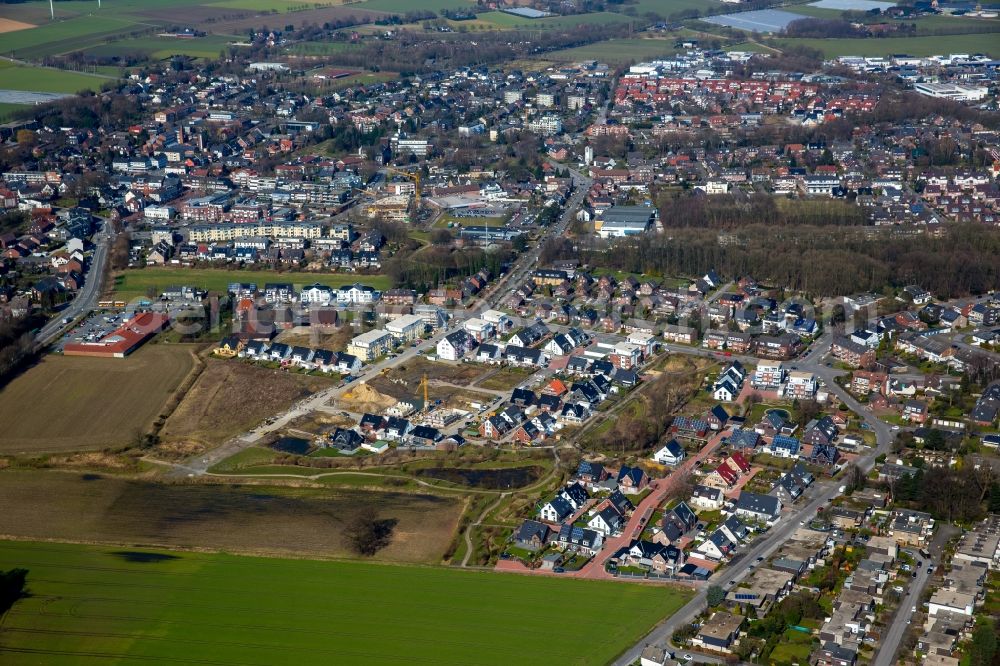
[
  {"x": 415, "y": 177},
  {"x": 423, "y": 382}
]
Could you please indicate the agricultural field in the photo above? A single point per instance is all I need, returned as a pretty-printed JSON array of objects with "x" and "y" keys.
[
  {"x": 44, "y": 79},
  {"x": 140, "y": 282},
  {"x": 403, "y": 6},
  {"x": 815, "y": 12},
  {"x": 160, "y": 48},
  {"x": 7, "y": 111},
  {"x": 926, "y": 24},
  {"x": 281, "y": 6},
  {"x": 273, "y": 520},
  {"x": 319, "y": 16},
  {"x": 320, "y": 48},
  {"x": 130, "y": 26},
  {"x": 667, "y": 7},
  {"x": 125, "y": 604},
  {"x": 358, "y": 79},
  {"x": 915, "y": 46},
  {"x": 508, "y": 21},
  {"x": 66, "y": 36},
  {"x": 230, "y": 397},
  {"x": 616, "y": 51},
  {"x": 73, "y": 403}
]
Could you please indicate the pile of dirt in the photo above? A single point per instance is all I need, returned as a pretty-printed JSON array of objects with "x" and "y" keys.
[{"x": 363, "y": 398}]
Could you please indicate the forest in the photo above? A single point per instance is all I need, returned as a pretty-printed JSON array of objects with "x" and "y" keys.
[
  {"x": 818, "y": 260},
  {"x": 427, "y": 267},
  {"x": 422, "y": 53},
  {"x": 729, "y": 212}
]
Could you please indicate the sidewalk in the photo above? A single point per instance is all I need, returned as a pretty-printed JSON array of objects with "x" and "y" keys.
[{"x": 595, "y": 569}]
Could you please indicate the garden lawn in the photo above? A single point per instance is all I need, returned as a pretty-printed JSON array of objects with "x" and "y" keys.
[
  {"x": 794, "y": 648},
  {"x": 404, "y": 6},
  {"x": 510, "y": 21},
  {"x": 136, "y": 283},
  {"x": 7, "y": 111},
  {"x": 119, "y": 604},
  {"x": 617, "y": 50},
  {"x": 917, "y": 46}
]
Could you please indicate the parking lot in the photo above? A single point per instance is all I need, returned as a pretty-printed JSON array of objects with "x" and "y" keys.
[{"x": 96, "y": 326}]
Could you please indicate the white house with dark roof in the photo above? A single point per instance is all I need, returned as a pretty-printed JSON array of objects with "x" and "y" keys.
[
  {"x": 316, "y": 294},
  {"x": 455, "y": 345},
  {"x": 354, "y": 294},
  {"x": 556, "y": 510},
  {"x": 671, "y": 453},
  {"x": 707, "y": 497},
  {"x": 607, "y": 521}
]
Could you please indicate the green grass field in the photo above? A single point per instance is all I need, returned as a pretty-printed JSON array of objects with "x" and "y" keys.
[
  {"x": 927, "y": 24},
  {"x": 403, "y": 6},
  {"x": 320, "y": 48},
  {"x": 503, "y": 20},
  {"x": 915, "y": 46},
  {"x": 616, "y": 51},
  {"x": 814, "y": 12},
  {"x": 135, "y": 283},
  {"x": 65, "y": 36},
  {"x": 7, "y": 111},
  {"x": 282, "y": 6},
  {"x": 91, "y": 604},
  {"x": 667, "y": 7},
  {"x": 40, "y": 79},
  {"x": 161, "y": 48}
]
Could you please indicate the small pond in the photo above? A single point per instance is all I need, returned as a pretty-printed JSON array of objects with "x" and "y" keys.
[
  {"x": 494, "y": 479},
  {"x": 294, "y": 445}
]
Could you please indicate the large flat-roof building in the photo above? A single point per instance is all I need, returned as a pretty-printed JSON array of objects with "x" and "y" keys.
[
  {"x": 122, "y": 341},
  {"x": 952, "y": 91},
  {"x": 369, "y": 346},
  {"x": 622, "y": 221}
]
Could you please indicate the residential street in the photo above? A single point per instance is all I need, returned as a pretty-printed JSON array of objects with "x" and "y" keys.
[
  {"x": 820, "y": 495},
  {"x": 200, "y": 464},
  {"x": 889, "y": 646},
  {"x": 88, "y": 295}
]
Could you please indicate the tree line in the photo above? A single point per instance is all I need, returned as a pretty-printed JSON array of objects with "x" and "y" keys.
[
  {"x": 819, "y": 260},
  {"x": 421, "y": 53},
  {"x": 12, "y": 585},
  {"x": 730, "y": 212},
  {"x": 17, "y": 344}
]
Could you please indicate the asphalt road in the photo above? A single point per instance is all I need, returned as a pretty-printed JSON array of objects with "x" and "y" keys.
[
  {"x": 199, "y": 465},
  {"x": 819, "y": 495},
  {"x": 891, "y": 639},
  {"x": 87, "y": 297}
]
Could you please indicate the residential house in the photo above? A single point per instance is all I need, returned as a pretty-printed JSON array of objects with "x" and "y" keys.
[
  {"x": 706, "y": 497},
  {"x": 671, "y": 453},
  {"x": 455, "y": 345},
  {"x": 729, "y": 471},
  {"x": 720, "y": 632},
  {"x": 632, "y": 480},
  {"x": 556, "y": 510},
  {"x": 784, "y": 447},
  {"x": 607, "y": 521},
  {"x": 532, "y": 535},
  {"x": 762, "y": 508}
]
